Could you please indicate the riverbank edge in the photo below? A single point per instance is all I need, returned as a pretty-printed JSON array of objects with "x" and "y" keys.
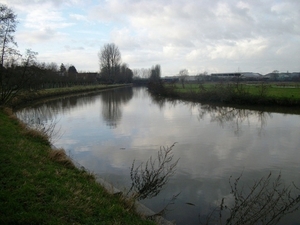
[
  {"x": 30, "y": 98},
  {"x": 139, "y": 208},
  {"x": 27, "y": 196},
  {"x": 222, "y": 96}
]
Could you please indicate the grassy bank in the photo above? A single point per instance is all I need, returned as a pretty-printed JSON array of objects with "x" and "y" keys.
[
  {"x": 41, "y": 186},
  {"x": 30, "y": 97},
  {"x": 271, "y": 94}
]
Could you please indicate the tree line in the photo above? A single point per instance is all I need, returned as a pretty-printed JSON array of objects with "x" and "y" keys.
[
  {"x": 111, "y": 68},
  {"x": 22, "y": 73}
]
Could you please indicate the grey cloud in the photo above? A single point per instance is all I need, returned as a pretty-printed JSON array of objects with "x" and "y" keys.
[
  {"x": 27, "y": 3},
  {"x": 207, "y": 34},
  {"x": 40, "y": 36},
  {"x": 71, "y": 48}
]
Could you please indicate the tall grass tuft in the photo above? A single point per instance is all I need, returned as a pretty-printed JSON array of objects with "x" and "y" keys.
[{"x": 59, "y": 155}]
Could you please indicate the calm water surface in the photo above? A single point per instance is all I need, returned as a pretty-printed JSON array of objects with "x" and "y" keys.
[{"x": 105, "y": 132}]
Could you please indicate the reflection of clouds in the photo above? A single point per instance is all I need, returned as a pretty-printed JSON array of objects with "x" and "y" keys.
[
  {"x": 82, "y": 149},
  {"x": 208, "y": 148},
  {"x": 64, "y": 141},
  {"x": 221, "y": 152},
  {"x": 168, "y": 114},
  {"x": 223, "y": 144}
]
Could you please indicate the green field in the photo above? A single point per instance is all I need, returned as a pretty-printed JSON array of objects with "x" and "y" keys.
[{"x": 269, "y": 92}]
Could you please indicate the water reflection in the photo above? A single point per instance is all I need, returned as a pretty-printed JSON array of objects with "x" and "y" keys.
[
  {"x": 42, "y": 120},
  {"x": 50, "y": 109},
  {"x": 113, "y": 101},
  {"x": 214, "y": 142},
  {"x": 112, "y": 105},
  {"x": 223, "y": 115}
]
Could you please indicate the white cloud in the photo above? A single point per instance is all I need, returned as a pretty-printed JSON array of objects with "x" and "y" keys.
[
  {"x": 45, "y": 17},
  {"x": 239, "y": 49},
  {"x": 25, "y": 4},
  {"x": 78, "y": 17},
  {"x": 124, "y": 39},
  {"x": 42, "y": 35},
  {"x": 211, "y": 35}
]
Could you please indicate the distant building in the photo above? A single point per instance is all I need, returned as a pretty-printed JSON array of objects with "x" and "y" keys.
[
  {"x": 173, "y": 79},
  {"x": 250, "y": 75},
  {"x": 177, "y": 79},
  {"x": 191, "y": 78},
  {"x": 276, "y": 76},
  {"x": 241, "y": 75},
  {"x": 226, "y": 75}
]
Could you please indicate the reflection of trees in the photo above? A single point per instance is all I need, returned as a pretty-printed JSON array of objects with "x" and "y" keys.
[
  {"x": 139, "y": 92},
  {"x": 65, "y": 104},
  {"x": 44, "y": 112},
  {"x": 49, "y": 110},
  {"x": 220, "y": 114},
  {"x": 223, "y": 115},
  {"x": 111, "y": 110},
  {"x": 162, "y": 101},
  {"x": 159, "y": 101},
  {"x": 36, "y": 115},
  {"x": 42, "y": 120},
  {"x": 112, "y": 102}
]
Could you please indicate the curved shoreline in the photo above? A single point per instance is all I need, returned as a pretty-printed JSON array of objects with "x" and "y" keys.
[
  {"x": 227, "y": 98},
  {"x": 48, "y": 94},
  {"x": 140, "y": 209}
]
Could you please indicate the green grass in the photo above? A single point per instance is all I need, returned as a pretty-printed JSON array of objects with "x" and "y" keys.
[
  {"x": 282, "y": 92},
  {"x": 274, "y": 94},
  {"x": 75, "y": 89},
  {"x": 272, "y": 89},
  {"x": 275, "y": 91},
  {"x": 37, "y": 188}
]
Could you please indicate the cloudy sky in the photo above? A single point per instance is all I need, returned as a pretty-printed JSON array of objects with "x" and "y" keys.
[{"x": 198, "y": 35}]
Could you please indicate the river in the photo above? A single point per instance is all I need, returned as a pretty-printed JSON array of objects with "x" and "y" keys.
[{"x": 105, "y": 132}]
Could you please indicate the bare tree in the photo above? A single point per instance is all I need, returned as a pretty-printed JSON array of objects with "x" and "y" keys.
[
  {"x": 142, "y": 73},
  {"x": 17, "y": 73},
  {"x": 18, "y": 77},
  {"x": 109, "y": 60},
  {"x": 183, "y": 75},
  {"x": 8, "y": 24},
  {"x": 155, "y": 73},
  {"x": 125, "y": 74},
  {"x": 63, "y": 70},
  {"x": 53, "y": 67}
]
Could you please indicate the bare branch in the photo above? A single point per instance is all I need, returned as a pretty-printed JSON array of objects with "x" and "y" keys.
[
  {"x": 265, "y": 202},
  {"x": 149, "y": 178}
]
